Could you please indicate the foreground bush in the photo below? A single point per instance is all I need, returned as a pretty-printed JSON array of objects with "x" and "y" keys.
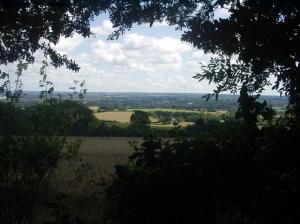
[
  {"x": 28, "y": 160},
  {"x": 252, "y": 177}
]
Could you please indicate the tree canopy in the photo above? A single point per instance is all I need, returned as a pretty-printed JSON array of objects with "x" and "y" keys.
[
  {"x": 258, "y": 40},
  {"x": 27, "y": 26}
]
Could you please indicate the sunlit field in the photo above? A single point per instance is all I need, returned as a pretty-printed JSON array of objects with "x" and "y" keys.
[{"x": 121, "y": 116}]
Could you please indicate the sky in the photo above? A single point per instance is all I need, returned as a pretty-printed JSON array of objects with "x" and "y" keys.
[{"x": 142, "y": 60}]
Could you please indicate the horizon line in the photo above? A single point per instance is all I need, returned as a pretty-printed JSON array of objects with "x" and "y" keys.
[{"x": 141, "y": 92}]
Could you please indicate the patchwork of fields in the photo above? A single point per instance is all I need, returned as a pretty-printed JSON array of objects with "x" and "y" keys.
[{"x": 124, "y": 116}]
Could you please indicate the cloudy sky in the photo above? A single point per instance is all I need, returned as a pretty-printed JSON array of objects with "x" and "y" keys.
[{"x": 143, "y": 60}]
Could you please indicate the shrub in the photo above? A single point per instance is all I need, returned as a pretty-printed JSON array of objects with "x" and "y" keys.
[
  {"x": 27, "y": 161},
  {"x": 251, "y": 177}
]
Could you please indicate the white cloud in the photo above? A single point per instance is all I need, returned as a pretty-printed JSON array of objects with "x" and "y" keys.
[
  {"x": 221, "y": 13},
  {"x": 137, "y": 61},
  {"x": 105, "y": 28},
  {"x": 136, "y": 52},
  {"x": 161, "y": 24},
  {"x": 134, "y": 63},
  {"x": 197, "y": 59},
  {"x": 66, "y": 45}
]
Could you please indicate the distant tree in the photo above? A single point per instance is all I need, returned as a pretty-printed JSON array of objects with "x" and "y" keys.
[
  {"x": 139, "y": 119},
  {"x": 256, "y": 41},
  {"x": 165, "y": 117}
]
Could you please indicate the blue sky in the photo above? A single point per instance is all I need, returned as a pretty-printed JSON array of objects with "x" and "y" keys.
[{"x": 143, "y": 60}]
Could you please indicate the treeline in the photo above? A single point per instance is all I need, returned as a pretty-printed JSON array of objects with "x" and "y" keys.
[
  {"x": 122, "y": 101},
  {"x": 70, "y": 118},
  {"x": 167, "y": 117},
  {"x": 62, "y": 118},
  {"x": 201, "y": 128}
]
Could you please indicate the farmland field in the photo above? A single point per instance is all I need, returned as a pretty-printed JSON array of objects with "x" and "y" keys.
[
  {"x": 106, "y": 145},
  {"x": 104, "y": 153},
  {"x": 84, "y": 179},
  {"x": 118, "y": 116},
  {"x": 183, "y": 124},
  {"x": 122, "y": 116}
]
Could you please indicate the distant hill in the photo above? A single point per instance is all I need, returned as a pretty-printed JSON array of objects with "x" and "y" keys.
[{"x": 157, "y": 100}]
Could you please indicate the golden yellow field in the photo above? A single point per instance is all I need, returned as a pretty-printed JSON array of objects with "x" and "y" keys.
[
  {"x": 124, "y": 116},
  {"x": 119, "y": 116}
]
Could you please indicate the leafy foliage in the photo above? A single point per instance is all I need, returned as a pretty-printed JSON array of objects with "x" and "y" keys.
[
  {"x": 61, "y": 118},
  {"x": 27, "y": 161},
  {"x": 29, "y": 26},
  {"x": 48, "y": 86},
  {"x": 250, "y": 109},
  {"x": 238, "y": 179},
  {"x": 13, "y": 90}
]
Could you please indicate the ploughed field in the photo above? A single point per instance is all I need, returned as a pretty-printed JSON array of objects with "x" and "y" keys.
[
  {"x": 82, "y": 181},
  {"x": 101, "y": 154}
]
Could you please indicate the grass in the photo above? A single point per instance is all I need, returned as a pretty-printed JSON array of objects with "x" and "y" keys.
[{"x": 159, "y": 125}]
